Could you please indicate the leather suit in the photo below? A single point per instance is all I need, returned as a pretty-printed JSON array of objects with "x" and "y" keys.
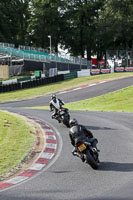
[
  {"x": 55, "y": 105},
  {"x": 80, "y": 133}
]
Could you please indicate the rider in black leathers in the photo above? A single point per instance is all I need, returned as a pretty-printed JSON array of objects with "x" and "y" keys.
[{"x": 80, "y": 133}]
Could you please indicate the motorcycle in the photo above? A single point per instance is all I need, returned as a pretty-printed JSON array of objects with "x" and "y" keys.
[
  {"x": 63, "y": 116},
  {"x": 88, "y": 153}
]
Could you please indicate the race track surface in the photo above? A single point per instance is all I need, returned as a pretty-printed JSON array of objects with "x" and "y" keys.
[{"x": 67, "y": 178}]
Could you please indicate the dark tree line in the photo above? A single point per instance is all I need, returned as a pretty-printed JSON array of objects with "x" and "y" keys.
[{"x": 82, "y": 26}]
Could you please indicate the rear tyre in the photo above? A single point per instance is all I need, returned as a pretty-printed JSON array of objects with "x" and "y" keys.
[
  {"x": 90, "y": 160},
  {"x": 66, "y": 121}
]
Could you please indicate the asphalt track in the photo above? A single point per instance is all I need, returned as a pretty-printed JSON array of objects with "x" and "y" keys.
[{"x": 67, "y": 178}]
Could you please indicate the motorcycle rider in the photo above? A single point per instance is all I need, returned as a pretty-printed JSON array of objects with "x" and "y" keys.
[
  {"x": 78, "y": 133},
  {"x": 55, "y": 104}
]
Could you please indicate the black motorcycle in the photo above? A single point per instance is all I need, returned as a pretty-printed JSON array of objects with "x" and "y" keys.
[
  {"x": 88, "y": 153},
  {"x": 63, "y": 116}
]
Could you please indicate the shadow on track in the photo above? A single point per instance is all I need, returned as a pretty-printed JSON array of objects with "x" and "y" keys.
[
  {"x": 99, "y": 128},
  {"x": 61, "y": 172},
  {"x": 36, "y": 197},
  {"x": 114, "y": 166}
]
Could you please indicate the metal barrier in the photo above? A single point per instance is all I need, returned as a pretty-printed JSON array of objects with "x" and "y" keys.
[{"x": 39, "y": 56}]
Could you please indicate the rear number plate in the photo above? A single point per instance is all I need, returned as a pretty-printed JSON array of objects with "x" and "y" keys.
[{"x": 82, "y": 147}]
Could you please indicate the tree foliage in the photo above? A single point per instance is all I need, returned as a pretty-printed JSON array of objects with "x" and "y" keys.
[
  {"x": 14, "y": 16},
  {"x": 117, "y": 22},
  {"x": 46, "y": 20},
  {"x": 82, "y": 26}
]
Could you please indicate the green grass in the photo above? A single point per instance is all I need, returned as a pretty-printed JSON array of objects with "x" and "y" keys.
[
  {"x": 120, "y": 101},
  {"x": 60, "y": 86},
  {"x": 15, "y": 141}
]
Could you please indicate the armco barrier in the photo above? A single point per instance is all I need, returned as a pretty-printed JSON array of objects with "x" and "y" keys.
[
  {"x": 128, "y": 69},
  {"x": 119, "y": 69},
  {"x": 64, "y": 72},
  {"x": 105, "y": 71},
  {"x": 95, "y": 71},
  {"x": 83, "y": 73}
]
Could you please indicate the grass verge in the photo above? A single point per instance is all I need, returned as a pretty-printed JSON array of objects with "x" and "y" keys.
[
  {"x": 60, "y": 86},
  {"x": 120, "y": 101},
  {"x": 16, "y": 141}
]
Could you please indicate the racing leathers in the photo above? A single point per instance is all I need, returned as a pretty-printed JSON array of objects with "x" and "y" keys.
[
  {"x": 81, "y": 133},
  {"x": 55, "y": 105}
]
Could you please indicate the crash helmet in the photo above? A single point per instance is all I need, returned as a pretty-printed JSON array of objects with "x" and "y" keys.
[
  {"x": 73, "y": 122},
  {"x": 53, "y": 96}
]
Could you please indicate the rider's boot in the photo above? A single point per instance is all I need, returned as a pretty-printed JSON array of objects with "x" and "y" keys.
[
  {"x": 58, "y": 118},
  {"x": 76, "y": 153},
  {"x": 82, "y": 157},
  {"x": 53, "y": 116}
]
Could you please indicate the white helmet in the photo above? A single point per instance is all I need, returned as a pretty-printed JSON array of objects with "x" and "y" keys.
[
  {"x": 53, "y": 96},
  {"x": 73, "y": 122}
]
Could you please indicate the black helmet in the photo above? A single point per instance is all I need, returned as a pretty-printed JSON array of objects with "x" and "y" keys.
[
  {"x": 53, "y": 96},
  {"x": 73, "y": 122}
]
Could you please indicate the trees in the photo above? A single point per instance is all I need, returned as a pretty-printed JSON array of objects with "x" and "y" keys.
[
  {"x": 117, "y": 22},
  {"x": 81, "y": 21},
  {"x": 46, "y": 20},
  {"x": 14, "y": 15},
  {"x": 85, "y": 27},
  {"x": 115, "y": 25}
]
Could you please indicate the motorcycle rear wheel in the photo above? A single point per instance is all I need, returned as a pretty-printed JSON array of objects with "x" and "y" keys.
[
  {"x": 66, "y": 121},
  {"x": 90, "y": 160}
]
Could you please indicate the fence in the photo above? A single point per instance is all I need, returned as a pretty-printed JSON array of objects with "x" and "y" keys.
[
  {"x": 33, "y": 54},
  {"x": 120, "y": 57}
]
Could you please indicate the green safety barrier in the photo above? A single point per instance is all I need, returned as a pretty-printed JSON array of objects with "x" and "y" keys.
[
  {"x": 37, "y": 74},
  {"x": 74, "y": 70},
  {"x": 24, "y": 79},
  {"x": 70, "y": 75}
]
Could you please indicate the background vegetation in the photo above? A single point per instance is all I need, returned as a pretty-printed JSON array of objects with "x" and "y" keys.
[{"x": 82, "y": 26}]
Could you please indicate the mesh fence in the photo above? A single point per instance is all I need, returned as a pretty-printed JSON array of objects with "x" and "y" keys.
[{"x": 120, "y": 57}]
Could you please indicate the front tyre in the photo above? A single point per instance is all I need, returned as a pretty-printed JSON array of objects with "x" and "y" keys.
[{"x": 90, "y": 160}]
